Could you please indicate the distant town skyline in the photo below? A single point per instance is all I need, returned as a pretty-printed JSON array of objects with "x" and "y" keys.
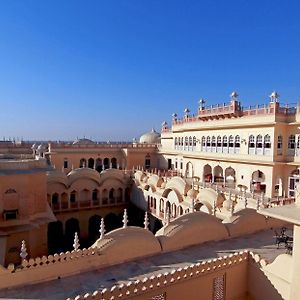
[{"x": 112, "y": 70}]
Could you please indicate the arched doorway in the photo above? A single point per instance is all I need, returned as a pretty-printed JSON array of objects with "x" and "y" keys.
[
  {"x": 114, "y": 163},
  {"x": 230, "y": 177},
  {"x": 94, "y": 226},
  {"x": 91, "y": 163},
  {"x": 99, "y": 165},
  {"x": 112, "y": 221},
  {"x": 207, "y": 173},
  {"x": 104, "y": 197},
  {"x": 258, "y": 184},
  {"x": 189, "y": 170},
  {"x": 111, "y": 196},
  {"x": 218, "y": 174},
  {"x": 278, "y": 190},
  {"x": 64, "y": 201},
  {"x": 168, "y": 208},
  {"x": 119, "y": 195},
  {"x": 293, "y": 180},
  {"x": 82, "y": 163},
  {"x": 72, "y": 226},
  {"x": 55, "y": 201},
  {"x": 106, "y": 163},
  {"x": 55, "y": 237}
]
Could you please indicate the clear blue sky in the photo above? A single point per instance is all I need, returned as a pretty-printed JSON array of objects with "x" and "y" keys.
[{"x": 114, "y": 69}]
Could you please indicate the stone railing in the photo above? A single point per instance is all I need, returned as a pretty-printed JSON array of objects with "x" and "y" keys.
[
  {"x": 160, "y": 282},
  {"x": 207, "y": 113},
  {"x": 59, "y": 146},
  {"x": 45, "y": 268}
]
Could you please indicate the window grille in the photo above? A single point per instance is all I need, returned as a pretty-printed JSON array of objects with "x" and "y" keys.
[
  {"x": 219, "y": 288},
  {"x": 159, "y": 297}
]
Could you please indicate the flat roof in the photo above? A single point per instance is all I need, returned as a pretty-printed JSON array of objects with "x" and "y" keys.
[
  {"x": 289, "y": 213},
  {"x": 262, "y": 243}
]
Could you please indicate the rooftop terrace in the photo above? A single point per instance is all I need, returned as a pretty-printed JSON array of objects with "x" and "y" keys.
[{"x": 261, "y": 243}]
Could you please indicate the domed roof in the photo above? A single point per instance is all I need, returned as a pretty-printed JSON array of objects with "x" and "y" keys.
[
  {"x": 83, "y": 141},
  {"x": 83, "y": 173},
  {"x": 191, "y": 229},
  {"x": 117, "y": 242},
  {"x": 151, "y": 137},
  {"x": 56, "y": 176}
]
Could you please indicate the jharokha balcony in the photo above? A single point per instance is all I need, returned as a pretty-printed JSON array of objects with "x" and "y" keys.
[{"x": 86, "y": 204}]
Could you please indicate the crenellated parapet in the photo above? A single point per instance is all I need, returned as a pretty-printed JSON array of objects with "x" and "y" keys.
[
  {"x": 162, "y": 281},
  {"x": 44, "y": 261}
]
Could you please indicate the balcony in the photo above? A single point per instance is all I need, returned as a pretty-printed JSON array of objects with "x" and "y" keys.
[{"x": 86, "y": 204}]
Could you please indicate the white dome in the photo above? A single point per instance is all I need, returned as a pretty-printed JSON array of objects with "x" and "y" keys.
[
  {"x": 83, "y": 141},
  {"x": 151, "y": 137}
]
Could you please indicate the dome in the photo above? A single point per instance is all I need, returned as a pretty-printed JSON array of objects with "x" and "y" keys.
[
  {"x": 83, "y": 173},
  {"x": 151, "y": 137},
  {"x": 116, "y": 243},
  {"x": 191, "y": 229},
  {"x": 83, "y": 141},
  {"x": 55, "y": 176}
]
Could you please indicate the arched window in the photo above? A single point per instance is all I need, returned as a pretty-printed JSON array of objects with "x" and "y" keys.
[
  {"x": 186, "y": 141},
  {"x": 237, "y": 141},
  {"x": 208, "y": 141},
  {"x": 54, "y": 199},
  {"x": 291, "y": 142},
  {"x": 219, "y": 141},
  {"x": 190, "y": 141},
  {"x": 82, "y": 163},
  {"x": 91, "y": 163},
  {"x": 114, "y": 163},
  {"x": 65, "y": 163},
  {"x": 267, "y": 142},
  {"x": 298, "y": 142},
  {"x": 147, "y": 161},
  {"x": 259, "y": 143},
  {"x": 231, "y": 141},
  {"x": 225, "y": 141},
  {"x": 203, "y": 143},
  {"x": 95, "y": 195},
  {"x": 106, "y": 163},
  {"x": 175, "y": 142},
  {"x": 73, "y": 196},
  {"x": 213, "y": 141},
  {"x": 194, "y": 141},
  {"x": 251, "y": 141},
  {"x": 279, "y": 142}
]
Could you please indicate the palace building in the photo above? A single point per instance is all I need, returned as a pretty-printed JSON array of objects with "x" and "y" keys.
[{"x": 208, "y": 191}]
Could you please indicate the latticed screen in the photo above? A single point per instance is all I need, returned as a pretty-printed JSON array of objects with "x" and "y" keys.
[
  {"x": 159, "y": 297},
  {"x": 219, "y": 288}
]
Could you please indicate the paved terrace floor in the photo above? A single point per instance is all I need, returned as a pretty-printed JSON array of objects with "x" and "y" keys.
[{"x": 262, "y": 243}]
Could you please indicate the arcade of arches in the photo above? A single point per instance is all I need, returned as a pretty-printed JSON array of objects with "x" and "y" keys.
[
  {"x": 99, "y": 164},
  {"x": 87, "y": 224}
]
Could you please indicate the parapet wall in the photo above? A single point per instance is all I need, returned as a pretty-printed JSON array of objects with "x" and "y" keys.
[{"x": 225, "y": 276}]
